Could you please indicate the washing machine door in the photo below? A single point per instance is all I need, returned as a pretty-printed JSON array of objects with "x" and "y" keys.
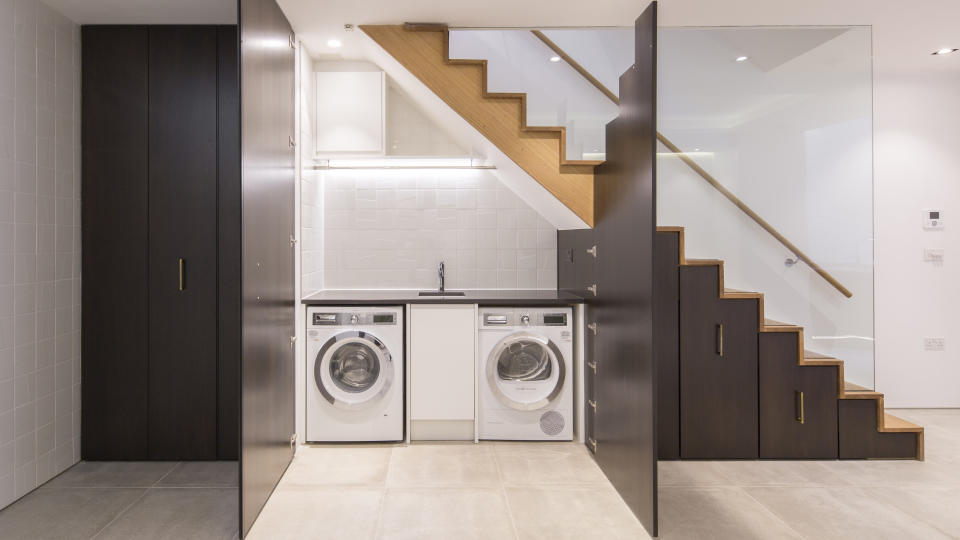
[
  {"x": 526, "y": 371},
  {"x": 353, "y": 370}
]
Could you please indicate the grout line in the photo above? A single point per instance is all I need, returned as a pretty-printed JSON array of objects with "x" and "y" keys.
[
  {"x": 175, "y": 465},
  {"x": 770, "y": 511},
  {"x": 503, "y": 493},
  {"x": 122, "y": 512}
]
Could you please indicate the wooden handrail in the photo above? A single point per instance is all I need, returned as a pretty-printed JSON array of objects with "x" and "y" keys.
[{"x": 700, "y": 170}]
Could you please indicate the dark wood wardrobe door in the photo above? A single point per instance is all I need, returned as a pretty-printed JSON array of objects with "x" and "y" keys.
[
  {"x": 183, "y": 227},
  {"x": 666, "y": 328},
  {"x": 114, "y": 234},
  {"x": 718, "y": 375}
]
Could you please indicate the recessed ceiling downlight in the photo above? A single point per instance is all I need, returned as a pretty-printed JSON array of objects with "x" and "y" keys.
[
  {"x": 942, "y": 52},
  {"x": 742, "y": 58},
  {"x": 334, "y": 43},
  {"x": 554, "y": 58}
]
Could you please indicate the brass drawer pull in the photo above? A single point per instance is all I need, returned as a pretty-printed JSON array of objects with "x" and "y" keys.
[
  {"x": 182, "y": 281},
  {"x": 801, "y": 417},
  {"x": 720, "y": 339}
]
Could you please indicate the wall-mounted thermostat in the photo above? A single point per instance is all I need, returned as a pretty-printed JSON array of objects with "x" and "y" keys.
[{"x": 932, "y": 220}]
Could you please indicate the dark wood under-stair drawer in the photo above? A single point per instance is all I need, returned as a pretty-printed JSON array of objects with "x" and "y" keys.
[
  {"x": 860, "y": 438},
  {"x": 798, "y": 404},
  {"x": 718, "y": 370}
]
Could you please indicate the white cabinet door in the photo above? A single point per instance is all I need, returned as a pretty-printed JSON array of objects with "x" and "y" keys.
[
  {"x": 350, "y": 111},
  {"x": 441, "y": 364}
]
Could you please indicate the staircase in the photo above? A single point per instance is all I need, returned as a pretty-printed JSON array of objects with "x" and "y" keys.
[
  {"x": 740, "y": 386},
  {"x": 540, "y": 151}
]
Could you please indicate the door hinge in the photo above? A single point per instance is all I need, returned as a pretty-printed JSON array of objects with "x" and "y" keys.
[
  {"x": 293, "y": 440},
  {"x": 290, "y": 142},
  {"x": 593, "y": 366},
  {"x": 593, "y": 289},
  {"x": 293, "y": 241},
  {"x": 593, "y": 444},
  {"x": 593, "y": 327},
  {"x": 593, "y": 405},
  {"x": 593, "y": 251},
  {"x": 292, "y": 41},
  {"x": 293, "y": 339}
]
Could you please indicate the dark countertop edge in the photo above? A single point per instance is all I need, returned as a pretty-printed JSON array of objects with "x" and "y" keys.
[{"x": 497, "y": 298}]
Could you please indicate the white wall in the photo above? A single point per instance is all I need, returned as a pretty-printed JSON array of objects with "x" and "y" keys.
[
  {"x": 311, "y": 193},
  {"x": 39, "y": 246},
  {"x": 916, "y": 166},
  {"x": 390, "y": 229}
]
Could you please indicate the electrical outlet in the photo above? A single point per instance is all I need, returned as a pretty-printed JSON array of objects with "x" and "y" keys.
[{"x": 933, "y": 344}]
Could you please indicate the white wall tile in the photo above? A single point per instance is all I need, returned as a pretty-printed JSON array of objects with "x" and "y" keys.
[
  {"x": 390, "y": 229},
  {"x": 39, "y": 241}
]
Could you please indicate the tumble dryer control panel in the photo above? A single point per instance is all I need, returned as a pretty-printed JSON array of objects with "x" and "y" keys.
[{"x": 348, "y": 319}]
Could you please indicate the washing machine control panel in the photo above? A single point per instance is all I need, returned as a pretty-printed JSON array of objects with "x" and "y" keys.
[
  {"x": 524, "y": 319},
  {"x": 348, "y": 319}
]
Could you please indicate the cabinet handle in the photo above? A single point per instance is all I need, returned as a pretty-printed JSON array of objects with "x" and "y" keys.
[
  {"x": 720, "y": 339},
  {"x": 182, "y": 282},
  {"x": 799, "y": 404}
]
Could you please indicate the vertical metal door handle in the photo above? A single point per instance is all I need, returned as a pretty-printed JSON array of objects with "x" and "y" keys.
[
  {"x": 720, "y": 339},
  {"x": 800, "y": 412},
  {"x": 182, "y": 283}
]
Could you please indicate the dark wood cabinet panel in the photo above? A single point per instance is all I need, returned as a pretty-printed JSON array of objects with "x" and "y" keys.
[
  {"x": 183, "y": 242},
  {"x": 576, "y": 266},
  {"x": 666, "y": 328},
  {"x": 625, "y": 387},
  {"x": 228, "y": 244},
  {"x": 782, "y": 434},
  {"x": 859, "y": 438},
  {"x": 718, "y": 370},
  {"x": 114, "y": 235}
]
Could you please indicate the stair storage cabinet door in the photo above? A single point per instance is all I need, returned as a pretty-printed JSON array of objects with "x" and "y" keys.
[
  {"x": 183, "y": 243},
  {"x": 718, "y": 370},
  {"x": 798, "y": 404}
]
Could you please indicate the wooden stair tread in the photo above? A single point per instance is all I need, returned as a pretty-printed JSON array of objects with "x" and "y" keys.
[
  {"x": 772, "y": 322},
  {"x": 896, "y": 424},
  {"x": 703, "y": 262},
  {"x": 501, "y": 117}
]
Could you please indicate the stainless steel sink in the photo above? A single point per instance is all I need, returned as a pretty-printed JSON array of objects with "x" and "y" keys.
[{"x": 442, "y": 293}]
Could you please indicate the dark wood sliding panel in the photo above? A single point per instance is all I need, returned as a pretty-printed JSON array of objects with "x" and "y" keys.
[
  {"x": 267, "y": 70},
  {"x": 228, "y": 244},
  {"x": 666, "y": 328},
  {"x": 114, "y": 234},
  {"x": 625, "y": 418},
  {"x": 183, "y": 242}
]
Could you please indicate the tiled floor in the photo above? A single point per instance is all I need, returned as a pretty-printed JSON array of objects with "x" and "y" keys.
[
  {"x": 555, "y": 491},
  {"x": 446, "y": 491},
  {"x": 122, "y": 500}
]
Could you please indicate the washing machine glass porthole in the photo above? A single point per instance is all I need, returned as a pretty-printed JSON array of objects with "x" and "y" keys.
[
  {"x": 525, "y": 361},
  {"x": 354, "y": 367}
]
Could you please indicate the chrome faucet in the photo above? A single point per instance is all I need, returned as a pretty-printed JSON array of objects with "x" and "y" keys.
[{"x": 440, "y": 274}]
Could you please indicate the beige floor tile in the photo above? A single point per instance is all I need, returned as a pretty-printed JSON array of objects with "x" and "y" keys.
[
  {"x": 691, "y": 473},
  {"x": 571, "y": 513},
  {"x": 935, "y": 506},
  {"x": 319, "y": 513},
  {"x": 546, "y": 463},
  {"x": 840, "y": 513},
  {"x": 718, "y": 513},
  {"x": 776, "y": 473},
  {"x": 339, "y": 465},
  {"x": 895, "y": 473},
  {"x": 445, "y": 513},
  {"x": 439, "y": 464}
]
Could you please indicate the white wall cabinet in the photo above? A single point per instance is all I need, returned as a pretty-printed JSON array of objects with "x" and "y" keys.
[
  {"x": 442, "y": 370},
  {"x": 350, "y": 112}
]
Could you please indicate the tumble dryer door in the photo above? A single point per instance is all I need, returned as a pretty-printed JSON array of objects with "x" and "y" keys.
[
  {"x": 353, "y": 370},
  {"x": 525, "y": 371}
]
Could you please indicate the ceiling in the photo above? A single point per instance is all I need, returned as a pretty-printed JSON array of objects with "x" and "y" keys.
[{"x": 147, "y": 11}]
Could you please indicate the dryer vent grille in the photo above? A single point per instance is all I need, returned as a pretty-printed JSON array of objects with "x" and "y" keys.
[{"x": 551, "y": 423}]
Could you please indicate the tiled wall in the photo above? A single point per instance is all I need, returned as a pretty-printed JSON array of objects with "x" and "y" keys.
[
  {"x": 390, "y": 229},
  {"x": 39, "y": 246},
  {"x": 311, "y": 194}
]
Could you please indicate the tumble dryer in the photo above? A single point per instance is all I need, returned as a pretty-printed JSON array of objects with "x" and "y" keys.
[{"x": 525, "y": 374}]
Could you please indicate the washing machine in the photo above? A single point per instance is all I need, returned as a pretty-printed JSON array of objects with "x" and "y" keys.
[
  {"x": 525, "y": 374},
  {"x": 354, "y": 374}
]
